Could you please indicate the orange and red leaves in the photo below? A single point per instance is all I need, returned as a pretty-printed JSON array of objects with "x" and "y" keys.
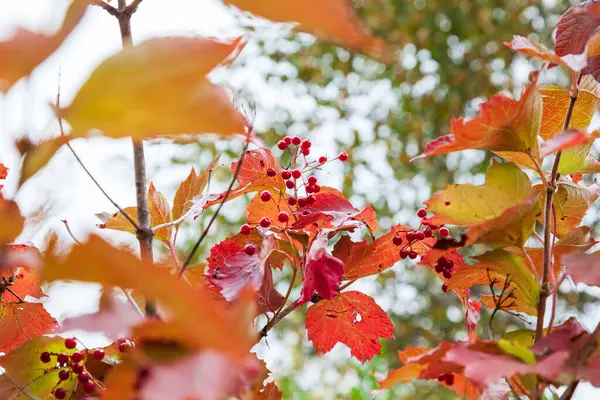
[
  {"x": 157, "y": 88},
  {"x": 351, "y": 318},
  {"x": 502, "y": 125},
  {"x": 21, "y": 322},
  {"x": 530, "y": 48},
  {"x": 331, "y": 20}
]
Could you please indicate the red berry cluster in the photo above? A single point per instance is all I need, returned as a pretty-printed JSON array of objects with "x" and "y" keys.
[
  {"x": 445, "y": 267},
  {"x": 425, "y": 230},
  {"x": 447, "y": 378}
]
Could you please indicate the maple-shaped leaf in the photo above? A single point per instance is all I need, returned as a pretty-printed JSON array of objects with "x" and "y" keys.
[
  {"x": 583, "y": 268},
  {"x": 502, "y": 125},
  {"x": 533, "y": 49},
  {"x": 351, "y": 318},
  {"x": 240, "y": 270},
  {"x": 157, "y": 88},
  {"x": 575, "y": 27},
  {"x": 364, "y": 259},
  {"x": 556, "y": 101},
  {"x": 495, "y": 268},
  {"x": 331, "y": 20},
  {"x": 36, "y": 156},
  {"x": 191, "y": 187},
  {"x": 571, "y": 202},
  {"x": 466, "y": 205},
  {"x": 115, "y": 319},
  {"x": 21, "y": 322},
  {"x": 160, "y": 213},
  {"x": 11, "y": 220},
  {"x": 20, "y": 262},
  {"x": 258, "y": 209},
  {"x": 322, "y": 272},
  {"x": 25, "y": 368},
  {"x": 190, "y": 309},
  {"x": 25, "y": 50}
]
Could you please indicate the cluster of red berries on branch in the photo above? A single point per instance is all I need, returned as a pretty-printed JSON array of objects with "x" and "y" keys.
[
  {"x": 445, "y": 267},
  {"x": 425, "y": 230},
  {"x": 446, "y": 378}
]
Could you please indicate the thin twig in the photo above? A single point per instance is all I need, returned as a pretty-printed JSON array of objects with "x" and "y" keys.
[
  {"x": 21, "y": 389},
  {"x": 285, "y": 299},
  {"x": 550, "y": 191},
  {"x": 107, "y": 7},
  {"x": 263, "y": 332},
  {"x": 554, "y": 292},
  {"x": 64, "y": 221},
  {"x": 570, "y": 391},
  {"x": 539, "y": 170},
  {"x": 132, "y": 302},
  {"x": 9, "y": 290},
  {"x": 188, "y": 260},
  {"x": 133, "y": 6}
]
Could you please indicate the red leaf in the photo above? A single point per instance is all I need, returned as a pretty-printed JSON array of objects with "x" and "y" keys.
[
  {"x": 21, "y": 322},
  {"x": 3, "y": 171},
  {"x": 222, "y": 250},
  {"x": 574, "y": 29},
  {"x": 583, "y": 268},
  {"x": 269, "y": 299},
  {"x": 322, "y": 272},
  {"x": 352, "y": 318},
  {"x": 21, "y": 261},
  {"x": 566, "y": 140}
]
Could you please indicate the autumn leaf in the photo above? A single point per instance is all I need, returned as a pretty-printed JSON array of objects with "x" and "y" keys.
[
  {"x": 331, "y": 20},
  {"x": 502, "y": 125},
  {"x": 258, "y": 209},
  {"x": 157, "y": 88},
  {"x": 322, "y": 273},
  {"x": 3, "y": 171},
  {"x": 21, "y": 262},
  {"x": 567, "y": 140},
  {"x": 577, "y": 160},
  {"x": 351, "y": 318},
  {"x": 160, "y": 213},
  {"x": 11, "y": 220},
  {"x": 25, "y": 50},
  {"x": 21, "y": 322},
  {"x": 268, "y": 298},
  {"x": 191, "y": 187},
  {"x": 530, "y": 48},
  {"x": 37, "y": 156},
  {"x": 583, "y": 268},
  {"x": 574, "y": 28},
  {"x": 118, "y": 221}
]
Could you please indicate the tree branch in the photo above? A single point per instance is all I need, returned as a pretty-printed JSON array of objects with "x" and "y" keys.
[
  {"x": 107, "y": 7},
  {"x": 568, "y": 394}
]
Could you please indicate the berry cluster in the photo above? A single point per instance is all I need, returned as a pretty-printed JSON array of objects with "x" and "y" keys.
[
  {"x": 447, "y": 378},
  {"x": 445, "y": 267},
  {"x": 425, "y": 230}
]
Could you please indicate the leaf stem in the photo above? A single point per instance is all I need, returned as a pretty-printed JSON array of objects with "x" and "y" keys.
[
  {"x": 21, "y": 389},
  {"x": 539, "y": 170}
]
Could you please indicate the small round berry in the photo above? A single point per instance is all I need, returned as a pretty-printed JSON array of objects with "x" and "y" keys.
[
  {"x": 444, "y": 232},
  {"x": 45, "y": 357},
  {"x": 439, "y": 268},
  {"x": 306, "y": 144},
  {"x": 322, "y": 160},
  {"x": 411, "y": 236},
  {"x": 310, "y": 189},
  {"x": 245, "y": 229},
  {"x": 296, "y": 174},
  {"x": 449, "y": 264},
  {"x": 445, "y": 288},
  {"x": 428, "y": 232},
  {"x": 286, "y": 174},
  {"x": 123, "y": 347},
  {"x": 447, "y": 274},
  {"x": 265, "y": 222},
  {"x": 62, "y": 358},
  {"x": 271, "y": 172},
  {"x": 70, "y": 343},
  {"x": 412, "y": 254},
  {"x": 287, "y": 140},
  {"x": 281, "y": 145},
  {"x": 403, "y": 253},
  {"x": 77, "y": 368},
  {"x": 89, "y": 387},
  {"x": 450, "y": 379},
  {"x": 283, "y": 217},
  {"x": 422, "y": 213},
  {"x": 311, "y": 199},
  {"x": 343, "y": 156},
  {"x": 316, "y": 188},
  {"x": 292, "y": 201},
  {"x": 312, "y": 180},
  {"x": 441, "y": 377},
  {"x": 397, "y": 240},
  {"x": 296, "y": 140},
  {"x": 64, "y": 374},
  {"x": 305, "y": 152},
  {"x": 98, "y": 354},
  {"x": 250, "y": 249},
  {"x": 265, "y": 196},
  {"x": 420, "y": 235},
  {"x": 302, "y": 202},
  {"x": 60, "y": 393},
  {"x": 76, "y": 357},
  {"x": 290, "y": 184},
  {"x": 83, "y": 376},
  {"x": 443, "y": 261}
]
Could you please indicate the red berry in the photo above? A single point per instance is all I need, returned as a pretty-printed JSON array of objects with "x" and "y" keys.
[
  {"x": 450, "y": 379},
  {"x": 89, "y": 387},
  {"x": 447, "y": 274},
  {"x": 312, "y": 180},
  {"x": 311, "y": 199},
  {"x": 443, "y": 261},
  {"x": 296, "y": 140},
  {"x": 290, "y": 184},
  {"x": 45, "y": 357},
  {"x": 287, "y": 140},
  {"x": 316, "y": 188},
  {"x": 77, "y": 368},
  {"x": 306, "y": 144},
  {"x": 265, "y": 222},
  {"x": 286, "y": 174},
  {"x": 449, "y": 264},
  {"x": 70, "y": 343},
  {"x": 441, "y": 377},
  {"x": 343, "y": 156},
  {"x": 412, "y": 254},
  {"x": 296, "y": 174},
  {"x": 123, "y": 347},
  {"x": 76, "y": 357},
  {"x": 445, "y": 288},
  {"x": 403, "y": 253},
  {"x": 98, "y": 354},
  {"x": 420, "y": 235},
  {"x": 322, "y": 160},
  {"x": 265, "y": 196},
  {"x": 60, "y": 393},
  {"x": 245, "y": 229},
  {"x": 302, "y": 202},
  {"x": 444, "y": 232},
  {"x": 62, "y": 358},
  {"x": 64, "y": 374},
  {"x": 305, "y": 152},
  {"x": 411, "y": 236},
  {"x": 283, "y": 217},
  {"x": 271, "y": 172},
  {"x": 250, "y": 249},
  {"x": 292, "y": 201},
  {"x": 422, "y": 213},
  {"x": 439, "y": 268},
  {"x": 397, "y": 240},
  {"x": 428, "y": 232},
  {"x": 310, "y": 189},
  {"x": 281, "y": 145},
  {"x": 83, "y": 376}
]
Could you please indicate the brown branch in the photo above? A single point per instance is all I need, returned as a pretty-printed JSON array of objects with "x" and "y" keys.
[
  {"x": 204, "y": 233},
  {"x": 133, "y": 6},
  {"x": 64, "y": 221},
  {"x": 548, "y": 239},
  {"x": 568, "y": 394},
  {"x": 107, "y": 7}
]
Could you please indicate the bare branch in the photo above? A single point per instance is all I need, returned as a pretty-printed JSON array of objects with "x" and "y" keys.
[
  {"x": 133, "y": 6},
  {"x": 107, "y": 7},
  {"x": 568, "y": 394},
  {"x": 64, "y": 221}
]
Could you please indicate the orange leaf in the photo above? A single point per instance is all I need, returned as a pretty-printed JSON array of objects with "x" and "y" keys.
[
  {"x": 37, "y": 156},
  {"x": 3, "y": 171},
  {"x": 530, "y": 48},
  {"x": 258, "y": 209},
  {"x": 11, "y": 220},
  {"x": 332, "y": 20},
  {"x": 26, "y": 283},
  {"x": 160, "y": 213},
  {"x": 21, "y": 322},
  {"x": 157, "y": 88},
  {"x": 25, "y": 50},
  {"x": 192, "y": 186},
  {"x": 352, "y": 318}
]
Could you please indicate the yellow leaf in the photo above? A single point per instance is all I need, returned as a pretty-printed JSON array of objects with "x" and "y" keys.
[
  {"x": 118, "y": 222},
  {"x": 160, "y": 213},
  {"x": 577, "y": 160},
  {"x": 157, "y": 88},
  {"x": 37, "y": 156}
]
